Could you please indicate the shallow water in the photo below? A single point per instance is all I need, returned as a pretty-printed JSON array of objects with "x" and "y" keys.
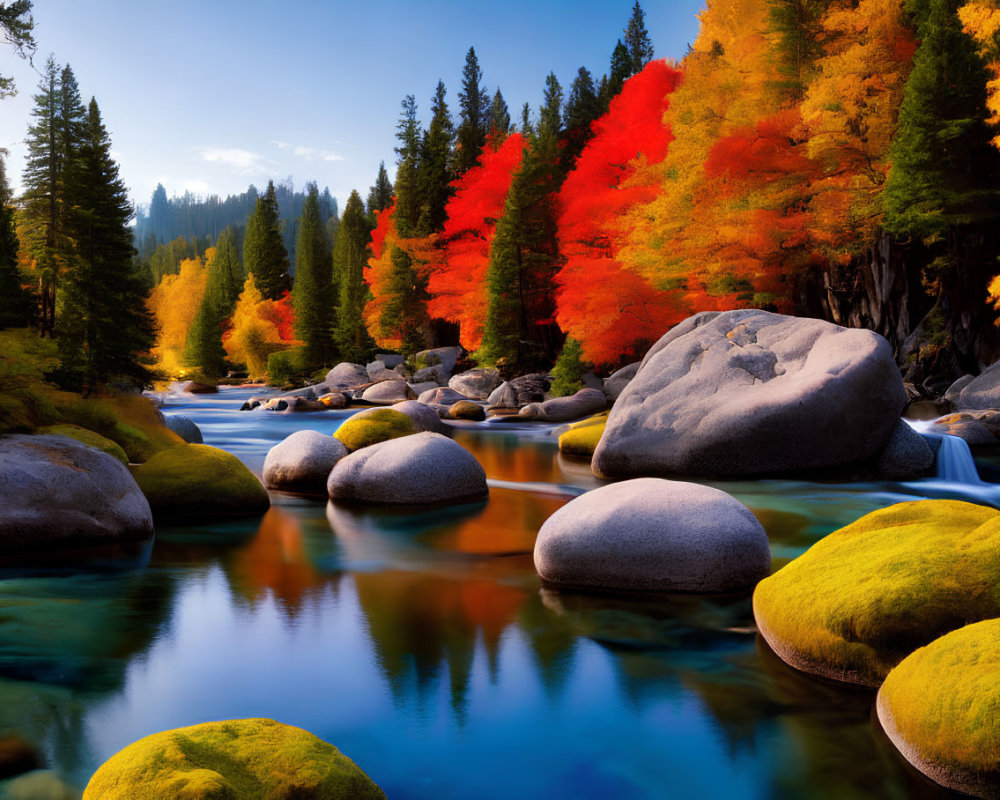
[{"x": 424, "y": 647}]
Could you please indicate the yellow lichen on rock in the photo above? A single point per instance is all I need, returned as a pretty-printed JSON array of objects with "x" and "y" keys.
[
  {"x": 582, "y": 437},
  {"x": 372, "y": 427}
]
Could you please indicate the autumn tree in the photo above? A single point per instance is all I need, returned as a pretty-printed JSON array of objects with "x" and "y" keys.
[
  {"x": 981, "y": 20},
  {"x": 474, "y": 115},
  {"x": 264, "y": 253},
  {"x": 797, "y": 29},
  {"x": 260, "y": 327},
  {"x": 174, "y": 303},
  {"x": 350, "y": 255},
  {"x": 314, "y": 291},
  {"x": 203, "y": 347}
]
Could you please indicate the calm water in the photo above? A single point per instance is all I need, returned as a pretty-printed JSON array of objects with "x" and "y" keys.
[{"x": 423, "y": 646}]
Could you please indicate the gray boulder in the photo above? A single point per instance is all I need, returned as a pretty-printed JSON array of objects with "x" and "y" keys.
[
  {"x": 387, "y": 393},
  {"x": 308, "y": 392},
  {"x": 302, "y": 462},
  {"x": 442, "y": 396},
  {"x": 616, "y": 382},
  {"x": 184, "y": 427},
  {"x": 436, "y": 373},
  {"x": 753, "y": 393},
  {"x": 906, "y": 456},
  {"x": 58, "y": 493},
  {"x": 966, "y": 426},
  {"x": 475, "y": 384},
  {"x": 520, "y": 391},
  {"x": 952, "y": 392},
  {"x": 377, "y": 371},
  {"x": 650, "y": 534},
  {"x": 391, "y": 360},
  {"x": 334, "y": 400},
  {"x": 423, "y": 386},
  {"x": 591, "y": 381},
  {"x": 346, "y": 376},
  {"x": 424, "y": 417},
  {"x": 447, "y": 357},
  {"x": 413, "y": 470},
  {"x": 981, "y": 392},
  {"x": 563, "y": 409}
]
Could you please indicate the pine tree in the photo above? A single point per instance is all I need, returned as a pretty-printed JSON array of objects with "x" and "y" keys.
[
  {"x": 380, "y": 194},
  {"x": 637, "y": 41},
  {"x": 797, "y": 26},
  {"x": 264, "y": 253},
  {"x": 474, "y": 110},
  {"x": 350, "y": 255},
  {"x": 405, "y": 311},
  {"x": 499, "y": 119},
  {"x": 434, "y": 171},
  {"x": 106, "y": 332},
  {"x": 16, "y": 26},
  {"x": 15, "y": 300},
  {"x": 620, "y": 71},
  {"x": 313, "y": 293},
  {"x": 160, "y": 215},
  {"x": 407, "y": 213},
  {"x": 550, "y": 114},
  {"x": 203, "y": 349},
  {"x": 527, "y": 128},
  {"x": 582, "y": 108}
]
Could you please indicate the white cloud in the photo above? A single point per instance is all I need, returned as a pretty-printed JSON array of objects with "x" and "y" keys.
[
  {"x": 309, "y": 153},
  {"x": 242, "y": 162}
]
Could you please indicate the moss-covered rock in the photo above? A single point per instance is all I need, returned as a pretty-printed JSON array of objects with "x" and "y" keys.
[
  {"x": 374, "y": 426},
  {"x": 197, "y": 480},
  {"x": 941, "y": 708},
  {"x": 866, "y": 596},
  {"x": 131, "y": 422},
  {"x": 88, "y": 438},
  {"x": 582, "y": 437},
  {"x": 250, "y": 759}
]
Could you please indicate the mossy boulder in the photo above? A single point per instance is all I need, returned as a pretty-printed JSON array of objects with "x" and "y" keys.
[
  {"x": 250, "y": 759},
  {"x": 582, "y": 437},
  {"x": 941, "y": 708},
  {"x": 374, "y": 426},
  {"x": 195, "y": 480},
  {"x": 866, "y": 596},
  {"x": 88, "y": 438}
]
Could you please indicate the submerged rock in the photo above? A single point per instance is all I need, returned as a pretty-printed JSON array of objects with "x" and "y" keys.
[
  {"x": 184, "y": 427},
  {"x": 420, "y": 469},
  {"x": 650, "y": 534},
  {"x": 302, "y": 462},
  {"x": 236, "y": 759},
  {"x": 197, "y": 481},
  {"x": 196, "y": 387},
  {"x": 58, "y": 493},
  {"x": 939, "y": 705},
  {"x": 861, "y": 599},
  {"x": 753, "y": 393},
  {"x": 17, "y": 756}
]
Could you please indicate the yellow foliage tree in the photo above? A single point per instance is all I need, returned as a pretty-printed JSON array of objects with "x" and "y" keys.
[
  {"x": 981, "y": 20},
  {"x": 257, "y": 328},
  {"x": 174, "y": 302}
]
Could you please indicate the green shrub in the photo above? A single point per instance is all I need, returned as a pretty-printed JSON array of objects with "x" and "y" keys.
[
  {"x": 567, "y": 374},
  {"x": 285, "y": 365}
]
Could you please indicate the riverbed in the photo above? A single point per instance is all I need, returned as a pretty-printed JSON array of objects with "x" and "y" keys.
[{"x": 422, "y": 644}]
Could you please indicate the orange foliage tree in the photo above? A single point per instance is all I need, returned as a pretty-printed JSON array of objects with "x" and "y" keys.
[
  {"x": 174, "y": 303},
  {"x": 981, "y": 20},
  {"x": 610, "y": 309},
  {"x": 457, "y": 281},
  {"x": 259, "y": 327}
]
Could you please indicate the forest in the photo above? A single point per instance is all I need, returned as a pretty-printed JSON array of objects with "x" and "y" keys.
[{"x": 827, "y": 158}]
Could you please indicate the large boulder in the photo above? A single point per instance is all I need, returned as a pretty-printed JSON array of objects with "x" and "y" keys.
[
  {"x": 861, "y": 599},
  {"x": 475, "y": 384},
  {"x": 424, "y": 417},
  {"x": 520, "y": 391},
  {"x": 391, "y": 360},
  {"x": 981, "y": 392},
  {"x": 447, "y": 357},
  {"x": 58, "y": 493},
  {"x": 346, "y": 376},
  {"x": 442, "y": 396},
  {"x": 906, "y": 456},
  {"x": 650, "y": 534},
  {"x": 87, "y": 437},
  {"x": 940, "y": 705},
  {"x": 378, "y": 371},
  {"x": 616, "y": 382},
  {"x": 421, "y": 469},
  {"x": 197, "y": 387},
  {"x": 184, "y": 427},
  {"x": 372, "y": 426},
  {"x": 302, "y": 462},
  {"x": 235, "y": 759},
  {"x": 418, "y": 388},
  {"x": 970, "y": 427},
  {"x": 197, "y": 481},
  {"x": 388, "y": 392},
  {"x": 754, "y": 393},
  {"x": 435, "y": 374},
  {"x": 563, "y": 409}
]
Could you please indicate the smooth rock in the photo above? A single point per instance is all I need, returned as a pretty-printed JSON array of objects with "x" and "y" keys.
[
  {"x": 302, "y": 462},
  {"x": 391, "y": 360},
  {"x": 196, "y": 387},
  {"x": 424, "y": 386},
  {"x": 981, "y": 392},
  {"x": 184, "y": 427},
  {"x": 374, "y": 425},
  {"x": 582, "y": 437},
  {"x": 424, "y": 417},
  {"x": 442, "y": 396},
  {"x": 466, "y": 409},
  {"x": 966, "y": 426},
  {"x": 753, "y": 393},
  {"x": 58, "y": 493},
  {"x": 377, "y": 371},
  {"x": 865, "y": 596},
  {"x": 346, "y": 376},
  {"x": 907, "y": 456},
  {"x": 650, "y": 534},
  {"x": 414, "y": 470},
  {"x": 616, "y": 382},
  {"x": 563, "y": 409},
  {"x": 235, "y": 759},
  {"x": 475, "y": 384},
  {"x": 520, "y": 391},
  {"x": 334, "y": 400},
  {"x": 386, "y": 393},
  {"x": 435, "y": 374},
  {"x": 87, "y": 437},
  {"x": 447, "y": 357}
]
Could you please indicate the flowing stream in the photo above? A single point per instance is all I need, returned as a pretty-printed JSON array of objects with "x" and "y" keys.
[{"x": 422, "y": 644}]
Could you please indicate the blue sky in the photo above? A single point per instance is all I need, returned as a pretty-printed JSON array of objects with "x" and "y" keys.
[{"x": 210, "y": 96}]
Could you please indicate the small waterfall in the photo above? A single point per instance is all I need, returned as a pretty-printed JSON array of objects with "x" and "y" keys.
[{"x": 954, "y": 460}]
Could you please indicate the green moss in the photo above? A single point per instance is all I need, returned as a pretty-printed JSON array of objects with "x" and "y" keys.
[
  {"x": 251, "y": 759},
  {"x": 197, "y": 480},
  {"x": 943, "y": 703},
  {"x": 864, "y": 597},
  {"x": 582, "y": 437},
  {"x": 88, "y": 438},
  {"x": 132, "y": 422},
  {"x": 373, "y": 427}
]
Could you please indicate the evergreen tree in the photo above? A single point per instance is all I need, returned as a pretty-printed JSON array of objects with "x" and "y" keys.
[
  {"x": 313, "y": 294},
  {"x": 637, "y": 41},
  {"x": 405, "y": 311},
  {"x": 16, "y": 26},
  {"x": 434, "y": 171},
  {"x": 160, "y": 214},
  {"x": 474, "y": 112},
  {"x": 550, "y": 114},
  {"x": 797, "y": 27},
  {"x": 107, "y": 331},
  {"x": 526, "y": 127},
  {"x": 349, "y": 258},
  {"x": 264, "y": 253},
  {"x": 620, "y": 71},
  {"x": 582, "y": 108},
  {"x": 380, "y": 194},
  {"x": 943, "y": 170},
  {"x": 203, "y": 348},
  {"x": 15, "y": 300},
  {"x": 499, "y": 119},
  {"x": 407, "y": 213}
]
